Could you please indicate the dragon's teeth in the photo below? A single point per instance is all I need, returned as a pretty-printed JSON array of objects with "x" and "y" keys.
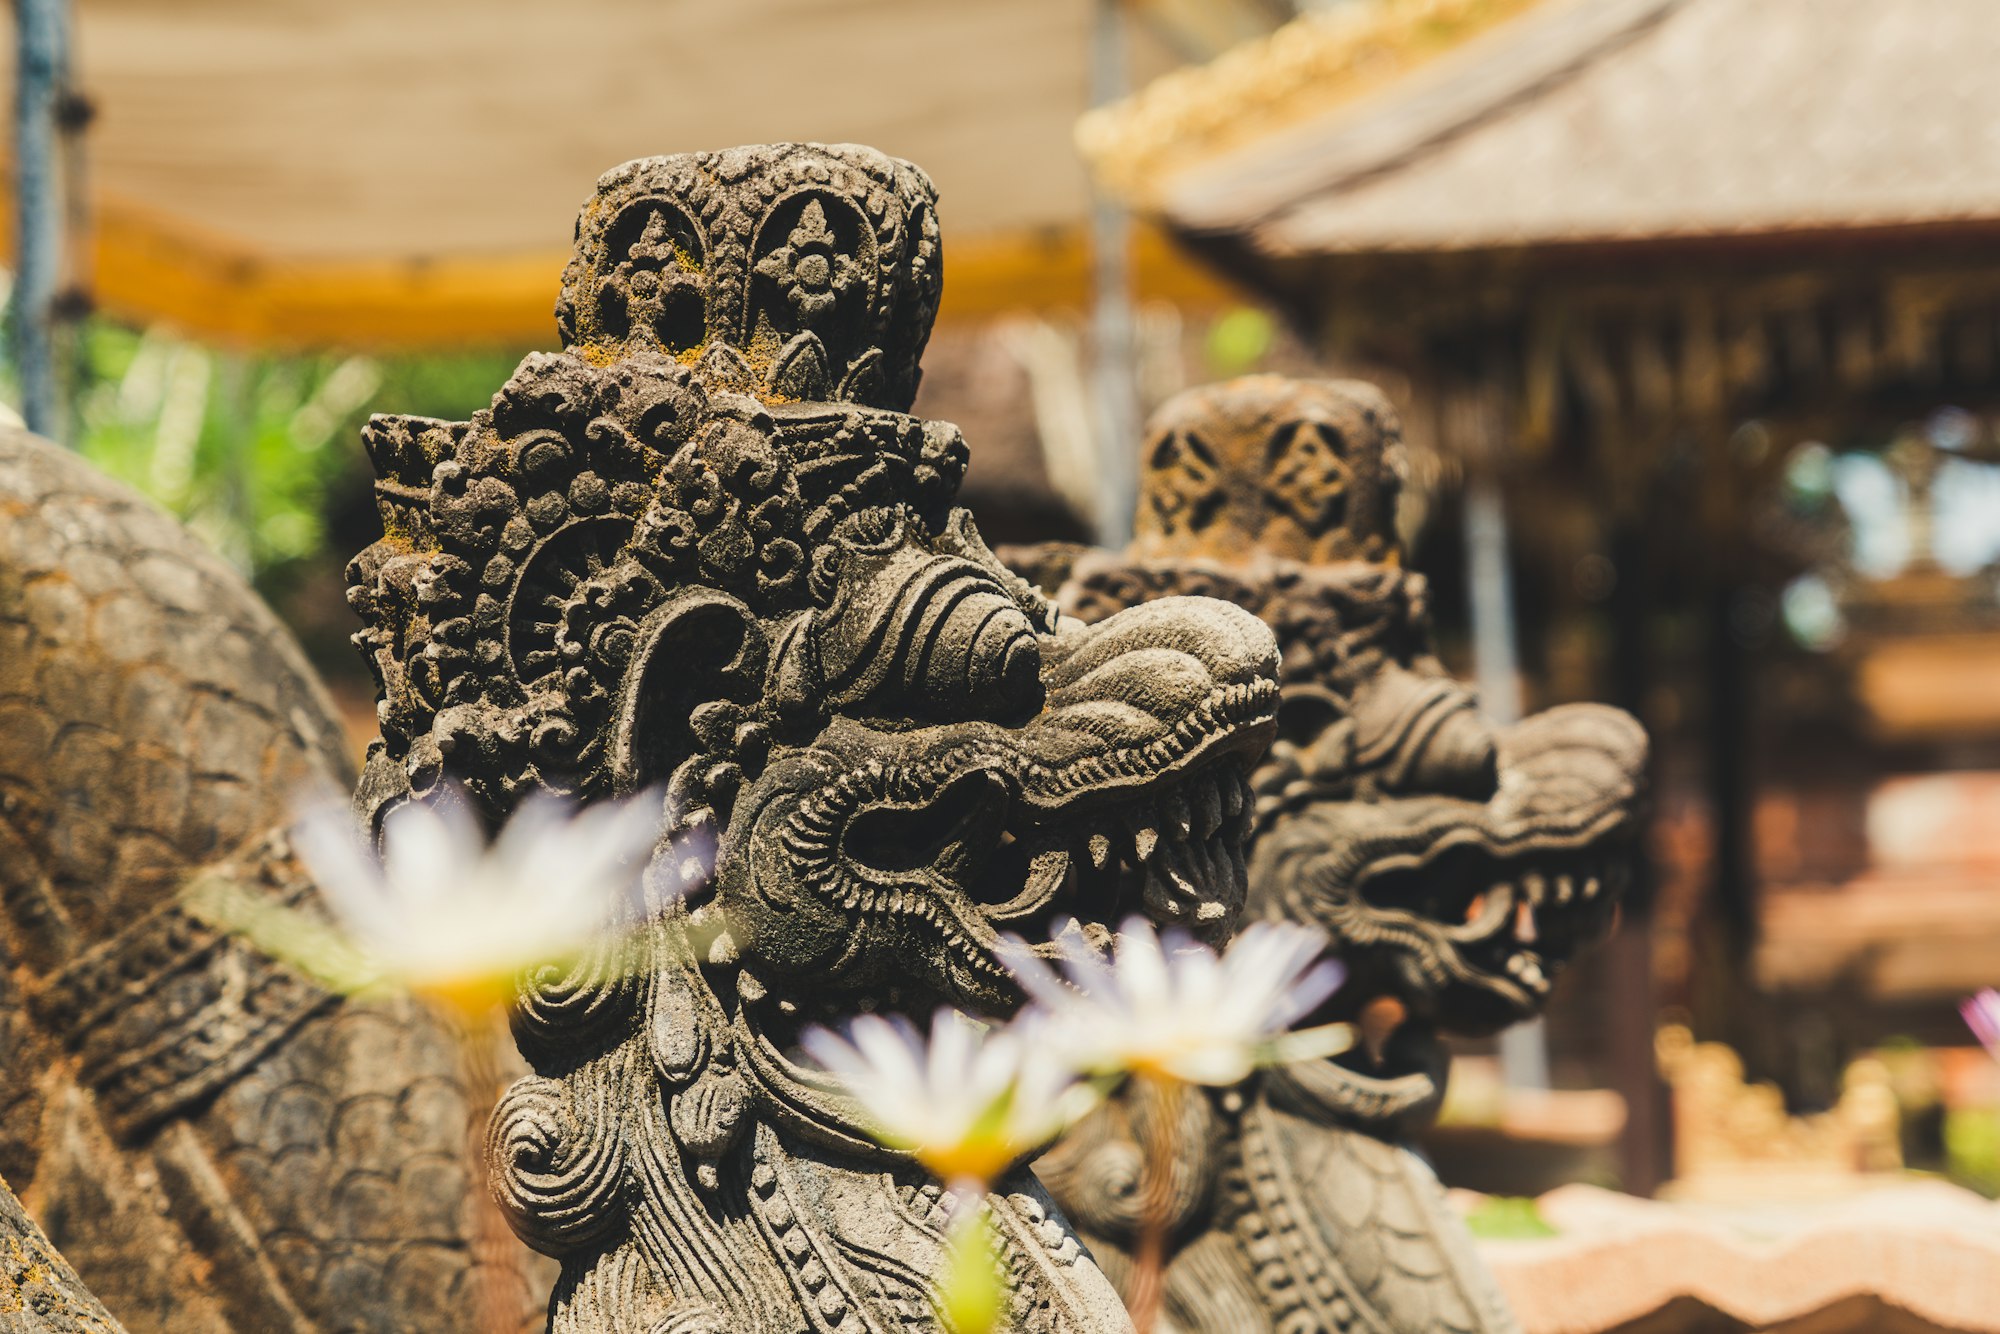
[
  {"x": 1234, "y": 790},
  {"x": 1100, "y": 850},
  {"x": 1144, "y": 840},
  {"x": 1174, "y": 814},
  {"x": 1169, "y": 894},
  {"x": 1208, "y": 807},
  {"x": 1047, "y": 872}
]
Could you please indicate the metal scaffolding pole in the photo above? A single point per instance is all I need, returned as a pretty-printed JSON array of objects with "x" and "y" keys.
[
  {"x": 1114, "y": 378},
  {"x": 42, "y": 58}
]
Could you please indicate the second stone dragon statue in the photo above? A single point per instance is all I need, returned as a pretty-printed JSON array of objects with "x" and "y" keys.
[{"x": 1457, "y": 866}]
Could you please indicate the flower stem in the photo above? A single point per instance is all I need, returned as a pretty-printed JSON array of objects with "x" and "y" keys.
[
  {"x": 1156, "y": 1188},
  {"x": 495, "y": 1255},
  {"x": 972, "y": 1296}
]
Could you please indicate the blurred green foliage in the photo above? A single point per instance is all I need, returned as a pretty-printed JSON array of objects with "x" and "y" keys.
[
  {"x": 1508, "y": 1218},
  {"x": 1972, "y": 1148},
  {"x": 1239, "y": 339},
  {"x": 254, "y": 451}
]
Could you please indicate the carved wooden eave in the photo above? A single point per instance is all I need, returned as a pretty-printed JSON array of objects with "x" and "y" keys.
[{"x": 1633, "y": 217}]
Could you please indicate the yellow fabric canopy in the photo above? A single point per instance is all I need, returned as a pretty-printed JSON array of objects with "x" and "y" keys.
[{"x": 406, "y": 172}]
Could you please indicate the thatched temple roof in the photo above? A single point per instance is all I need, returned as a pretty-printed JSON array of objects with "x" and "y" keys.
[
  {"x": 1462, "y": 124},
  {"x": 1613, "y": 221}
]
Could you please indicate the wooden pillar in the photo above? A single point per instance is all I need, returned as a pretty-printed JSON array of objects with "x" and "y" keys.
[
  {"x": 1645, "y": 1144},
  {"x": 1726, "y": 683},
  {"x": 1726, "y": 673},
  {"x": 1624, "y": 451}
]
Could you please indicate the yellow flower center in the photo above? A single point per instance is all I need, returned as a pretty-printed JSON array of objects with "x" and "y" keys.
[
  {"x": 467, "y": 996},
  {"x": 979, "y": 1158}
]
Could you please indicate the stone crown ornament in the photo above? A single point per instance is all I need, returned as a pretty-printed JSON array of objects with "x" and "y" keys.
[
  {"x": 813, "y": 275},
  {"x": 1268, "y": 467},
  {"x": 704, "y": 549}
]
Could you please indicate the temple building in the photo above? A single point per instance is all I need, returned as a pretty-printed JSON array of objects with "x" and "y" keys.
[{"x": 1655, "y": 271}]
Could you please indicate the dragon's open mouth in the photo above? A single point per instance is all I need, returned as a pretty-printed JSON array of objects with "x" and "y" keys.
[
  {"x": 1125, "y": 793},
  {"x": 994, "y": 844},
  {"x": 1172, "y": 852},
  {"x": 1511, "y": 920},
  {"x": 956, "y": 846}
]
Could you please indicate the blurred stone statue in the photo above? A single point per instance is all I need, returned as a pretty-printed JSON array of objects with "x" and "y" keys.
[
  {"x": 211, "y": 1140},
  {"x": 1457, "y": 865},
  {"x": 39, "y": 1292}
]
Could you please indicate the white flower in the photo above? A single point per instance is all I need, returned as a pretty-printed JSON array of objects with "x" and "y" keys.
[
  {"x": 967, "y": 1104},
  {"x": 1172, "y": 1009},
  {"x": 442, "y": 913}
]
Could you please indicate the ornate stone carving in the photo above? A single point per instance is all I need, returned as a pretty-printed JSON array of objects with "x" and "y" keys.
[
  {"x": 705, "y": 547},
  {"x": 214, "y": 1143},
  {"x": 1458, "y": 866}
]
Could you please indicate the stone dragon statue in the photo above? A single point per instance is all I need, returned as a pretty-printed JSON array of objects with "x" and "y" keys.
[
  {"x": 706, "y": 550},
  {"x": 1457, "y": 865}
]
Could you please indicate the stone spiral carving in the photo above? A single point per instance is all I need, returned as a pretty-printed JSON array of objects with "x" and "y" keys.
[
  {"x": 558, "y": 1166},
  {"x": 1457, "y": 865},
  {"x": 574, "y": 1006}
]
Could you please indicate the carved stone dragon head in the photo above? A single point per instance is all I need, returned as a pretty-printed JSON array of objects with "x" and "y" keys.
[
  {"x": 1458, "y": 864},
  {"x": 705, "y": 548}
]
